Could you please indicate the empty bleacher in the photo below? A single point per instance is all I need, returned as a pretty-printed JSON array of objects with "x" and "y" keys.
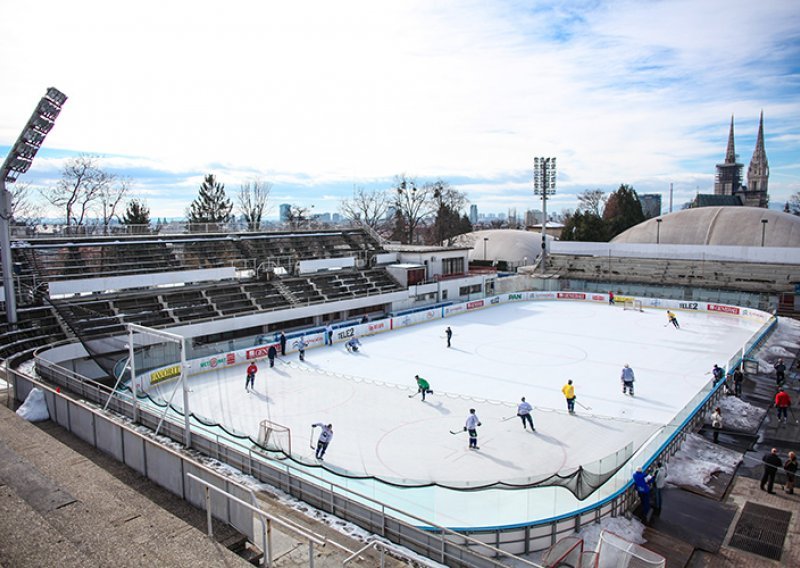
[
  {"x": 35, "y": 327},
  {"x": 58, "y": 258},
  {"x": 738, "y": 276}
]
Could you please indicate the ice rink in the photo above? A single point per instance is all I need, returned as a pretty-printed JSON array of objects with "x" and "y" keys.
[{"x": 498, "y": 355}]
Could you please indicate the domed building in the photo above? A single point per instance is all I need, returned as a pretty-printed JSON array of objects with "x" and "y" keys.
[
  {"x": 731, "y": 226},
  {"x": 513, "y": 247}
]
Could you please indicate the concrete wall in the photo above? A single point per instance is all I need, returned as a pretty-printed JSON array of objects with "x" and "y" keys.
[{"x": 775, "y": 255}]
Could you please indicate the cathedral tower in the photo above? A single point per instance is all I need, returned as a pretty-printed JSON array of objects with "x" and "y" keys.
[
  {"x": 758, "y": 172},
  {"x": 729, "y": 174}
]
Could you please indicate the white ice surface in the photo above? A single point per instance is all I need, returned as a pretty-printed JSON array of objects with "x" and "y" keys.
[{"x": 498, "y": 355}]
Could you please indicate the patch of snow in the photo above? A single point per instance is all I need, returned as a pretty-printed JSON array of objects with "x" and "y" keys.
[
  {"x": 698, "y": 461},
  {"x": 740, "y": 415}
]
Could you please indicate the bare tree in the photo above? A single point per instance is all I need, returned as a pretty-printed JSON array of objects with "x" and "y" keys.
[
  {"x": 593, "y": 201},
  {"x": 413, "y": 205},
  {"x": 109, "y": 198},
  {"x": 793, "y": 205},
  {"x": 253, "y": 199},
  {"x": 298, "y": 217},
  {"x": 368, "y": 207},
  {"x": 23, "y": 209},
  {"x": 80, "y": 186}
]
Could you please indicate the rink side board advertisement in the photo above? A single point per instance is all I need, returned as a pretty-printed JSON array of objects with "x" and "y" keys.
[{"x": 341, "y": 335}]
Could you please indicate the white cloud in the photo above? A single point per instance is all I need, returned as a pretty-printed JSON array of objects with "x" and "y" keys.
[{"x": 338, "y": 93}]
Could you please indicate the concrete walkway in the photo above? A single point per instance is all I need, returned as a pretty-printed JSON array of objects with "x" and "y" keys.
[{"x": 64, "y": 503}]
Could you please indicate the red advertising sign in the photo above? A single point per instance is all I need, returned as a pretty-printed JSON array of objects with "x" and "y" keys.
[
  {"x": 475, "y": 304},
  {"x": 571, "y": 296},
  {"x": 726, "y": 309},
  {"x": 256, "y": 353},
  {"x": 230, "y": 358}
]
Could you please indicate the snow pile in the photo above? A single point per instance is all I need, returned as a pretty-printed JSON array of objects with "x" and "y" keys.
[
  {"x": 34, "y": 409},
  {"x": 629, "y": 529},
  {"x": 740, "y": 415},
  {"x": 699, "y": 461}
]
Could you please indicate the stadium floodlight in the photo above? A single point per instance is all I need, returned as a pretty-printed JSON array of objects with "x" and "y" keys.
[
  {"x": 19, "y": 161},
  {"x": 544, "y": 184}
]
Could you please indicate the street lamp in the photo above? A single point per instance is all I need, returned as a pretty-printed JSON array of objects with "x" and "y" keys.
[
  {"x": 484, "y": 247},
  {"x": 18, "y": 162},
  {"x": 658, "y": 230},
  {"x": 763, "y": 230},
  {"x": 544, "y": 184}
]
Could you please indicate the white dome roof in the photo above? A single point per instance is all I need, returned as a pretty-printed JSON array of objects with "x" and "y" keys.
[
  {"x": 507, "y": 245},
  {"x": 733, "y": 226}
]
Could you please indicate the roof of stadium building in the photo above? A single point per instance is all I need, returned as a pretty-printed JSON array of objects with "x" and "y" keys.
[{"x": 731, "y": 226}]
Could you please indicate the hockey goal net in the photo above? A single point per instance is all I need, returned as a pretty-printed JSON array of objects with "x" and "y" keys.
[
  {"x": 613, "y": 551},
  {"x": 566, "y": 553},
  {"x": 633, "y": 305},
  {"x": 275, "y": 437}
]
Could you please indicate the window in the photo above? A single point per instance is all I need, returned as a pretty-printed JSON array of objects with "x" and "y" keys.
[{"x": 453, "y": 265}]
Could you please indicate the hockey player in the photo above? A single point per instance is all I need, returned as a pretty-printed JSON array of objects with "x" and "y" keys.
[
  {"x": 627, "y": 379},
  {"x": 252, "y": 369},
  {"x": 329, "y": 334},
  {"x": 449, "y": 333},
  {"x": 673, "y": 319},
  {"x": 611, "y": 298},
  {"x": 524, "y": 410},
  {"x": 423, "y": 386},
  {"x": 471, "y": 427},
  {"x": 325, "y": 438},
  {"x": 717, "y": 373},
  {"x": 301, "y": 348},
  {"x": 569, "y": 394},
  {"x": 353, "y": 345},
  {"x": 272, "y": 352}
]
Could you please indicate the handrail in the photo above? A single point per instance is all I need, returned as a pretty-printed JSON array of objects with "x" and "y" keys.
[{"x": 264, "y": 516}]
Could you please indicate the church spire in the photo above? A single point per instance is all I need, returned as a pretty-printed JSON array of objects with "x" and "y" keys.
[
  {"x": 758, "y": 172},
  {"x": 730, "y": 154}
]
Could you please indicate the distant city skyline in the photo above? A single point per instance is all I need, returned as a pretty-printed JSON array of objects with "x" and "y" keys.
[{"x": 320, "y": 100}]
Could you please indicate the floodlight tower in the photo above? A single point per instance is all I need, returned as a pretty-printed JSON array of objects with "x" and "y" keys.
[
  {"x": 544, "y": 184},
  {"x": 18, "y": 162}
]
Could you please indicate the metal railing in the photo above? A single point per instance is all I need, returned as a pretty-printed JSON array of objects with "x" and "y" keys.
[{"x": 266, "y": 519}]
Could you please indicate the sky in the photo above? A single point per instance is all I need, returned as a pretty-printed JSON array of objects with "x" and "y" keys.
[{"x": 320, "y": 97}]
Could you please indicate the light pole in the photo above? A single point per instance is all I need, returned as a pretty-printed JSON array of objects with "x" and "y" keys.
[
  {"x": 763, "y": 230},
  {"x": 18, "y": 162},
  {"x": 658, "y": 230},
  {"x": 484, "y": 247},
  {"x": 544, "y": 184}
]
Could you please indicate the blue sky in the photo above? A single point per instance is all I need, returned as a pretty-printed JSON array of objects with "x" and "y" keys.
[{"x": 316, "y": 97}]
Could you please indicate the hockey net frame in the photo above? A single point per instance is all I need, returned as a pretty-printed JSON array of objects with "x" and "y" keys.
[
  {"x": 635, "y": 305},
  {"x": 613, "y": 551},
  {"x": 275, "y": 437}
]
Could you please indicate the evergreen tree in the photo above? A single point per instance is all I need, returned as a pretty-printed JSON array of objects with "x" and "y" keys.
[
  {"x": 211, "y": 204},
  {"x": 623, "y": 210},
  {"x": 136, "y": 216},
  {"x": 584, "y": 226}
]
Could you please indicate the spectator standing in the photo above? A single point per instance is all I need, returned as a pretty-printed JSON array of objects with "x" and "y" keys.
[
  {"x": 738, "y": 379},
  {"x": 641, "y": 481},
  {"x": 790, "y": 467},
  {"x": 272, "y": 352},
  {"x": 659, "y": 482},
  {"x": 780, "y": 372},
  {"x": 716, "y": 423},
  {"x": 782, "y": 403},
  {"x": 771, "y": 464}
]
